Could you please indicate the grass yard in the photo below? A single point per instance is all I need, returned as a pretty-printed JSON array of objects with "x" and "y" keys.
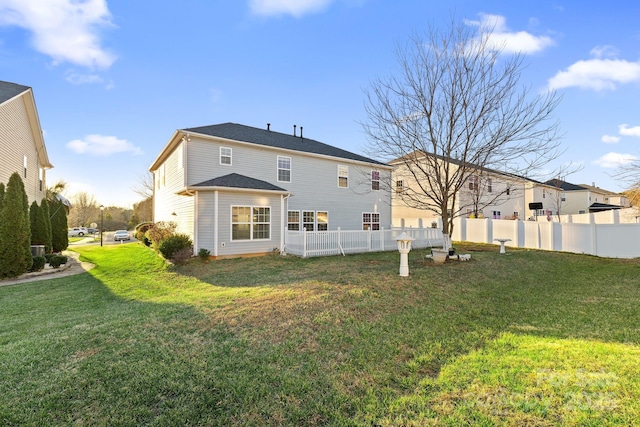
[{"x": 526, "y": 338}]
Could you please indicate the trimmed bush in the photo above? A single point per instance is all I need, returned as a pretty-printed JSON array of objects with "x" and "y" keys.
[
  {"x": 57, "y": 260},
  {"x": 159, "y": 232},
  {"x": 173, "y": 244},
  {"x": 38, "y": 263},
  {"x": 204, "y": 254},
  {"x": 59, "y": 227},
  {"x": 15, "y": 230},
  {"x": 181, "y": 256},
  {"x": 141, "y": 229}
]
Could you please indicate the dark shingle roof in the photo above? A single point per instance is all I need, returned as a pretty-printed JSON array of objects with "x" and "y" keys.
[
  {"x": 269, "y": 138},
  {"x": 9, "y": 90},
  {"x": 234, "y": 180},
  {"x": 566, "y": 186},
  {"x": 598, "y": 207}
]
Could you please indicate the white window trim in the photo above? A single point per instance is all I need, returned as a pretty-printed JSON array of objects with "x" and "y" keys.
[
  {"x": 230, "y": 156},
  {"x": 343, "y": 168},
  {"x": 303, "y": 222},
  {"x": 278, "y": 168},
  {"x": 251, "y": 223},
  {"x": 375, "y": 180},
  {"x": 372, "y": 222},
  {"x": 299, "y": 219}
]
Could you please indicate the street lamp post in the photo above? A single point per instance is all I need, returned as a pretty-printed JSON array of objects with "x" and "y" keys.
[{"x": 101, "y": 222}]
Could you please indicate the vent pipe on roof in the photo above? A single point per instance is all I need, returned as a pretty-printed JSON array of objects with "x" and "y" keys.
[
  {"x": 294, "y": 130},
  {"x": 300, "y": 131},
  {"x": 268, "y": 127}
]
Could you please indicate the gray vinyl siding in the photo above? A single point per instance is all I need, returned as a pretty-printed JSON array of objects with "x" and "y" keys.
[
  {"x": 16, "y": 141},
  {"x": 226, "y": 201},
  {"x": 314, "y": 180},
  {"x": 167, "y": 202}
]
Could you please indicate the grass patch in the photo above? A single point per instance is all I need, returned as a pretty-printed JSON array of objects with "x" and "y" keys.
[{"x": 526, "y": 338}]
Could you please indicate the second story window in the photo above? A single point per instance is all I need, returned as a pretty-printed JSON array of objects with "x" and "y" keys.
[
  {"x": 225, "y": 156},
  {"x": 284, "y": 169},
  {"x": 399, "y": 186},
  {"x": 40, "y": 179},
  {"x": 343, "y": 176},
  {"x": 489, "y": 186},
  {"x": 473, "y": 183},
  {"x": 25, "y": 166},
  {"x": 375, "y": 180}
]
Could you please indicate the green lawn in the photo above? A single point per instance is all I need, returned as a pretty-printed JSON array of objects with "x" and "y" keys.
[{"x": 526, "y": 338}]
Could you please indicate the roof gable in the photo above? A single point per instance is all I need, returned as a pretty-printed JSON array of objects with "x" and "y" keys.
[
  {"x": 269, "y": 138},
  {"x": 10, "y": 90}
]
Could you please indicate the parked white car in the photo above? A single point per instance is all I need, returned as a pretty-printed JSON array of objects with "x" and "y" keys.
[
  {"x": 77, "y": 231},
  {"x": 121, "y": 235}
]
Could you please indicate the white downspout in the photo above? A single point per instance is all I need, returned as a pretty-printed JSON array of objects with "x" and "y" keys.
[{"x": 215, "y": 223}]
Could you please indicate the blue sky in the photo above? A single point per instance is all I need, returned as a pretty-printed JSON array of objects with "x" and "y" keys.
[{"x": 114, "y": 79}]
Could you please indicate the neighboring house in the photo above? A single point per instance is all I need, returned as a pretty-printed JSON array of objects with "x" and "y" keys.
[
  {"x": 236, "y": 189},
  {"x": 487, "y": 193},
  {"x": 583, "y": 198},
  {"x": 22, "y": 146}
]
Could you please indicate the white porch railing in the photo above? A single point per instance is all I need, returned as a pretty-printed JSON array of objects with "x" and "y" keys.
[{"x": 335, "y": 242}]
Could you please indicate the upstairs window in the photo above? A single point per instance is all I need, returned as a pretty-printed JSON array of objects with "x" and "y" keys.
[
  {"x": 473, "y": 183},
  {"x": 225, "y": 156},
  {"x": 343, "y": 176},
  {"x": 40, "y": 179},
  {"x": 489, "y": 186},
  {"x": 399, "y": 187},
  {"x": 284, "y": 169},
  {"x": 24, "y": 161},
  {"x": 375, "y": 180}
]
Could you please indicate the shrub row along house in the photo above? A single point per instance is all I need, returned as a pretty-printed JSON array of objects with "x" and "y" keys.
[{"x": 236, "y": 189}]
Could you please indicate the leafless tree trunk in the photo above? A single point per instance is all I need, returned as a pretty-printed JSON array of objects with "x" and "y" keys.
[
  {"x": 84, "y": 208},
  {"x": 455, "y": 108}
]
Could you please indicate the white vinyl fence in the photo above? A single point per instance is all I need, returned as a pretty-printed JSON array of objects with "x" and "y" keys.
[
  {"x": 605, "y": 240},
  {"x": 336, "y": 242}
]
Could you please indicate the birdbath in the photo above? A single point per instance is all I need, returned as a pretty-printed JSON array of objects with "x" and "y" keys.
[{"x": 404, "y": 246}]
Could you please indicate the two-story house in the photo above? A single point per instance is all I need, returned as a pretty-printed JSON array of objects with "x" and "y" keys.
[
  {"x": 484, "y": 193},
  {"x": 236, "y": 189},
  {"x": 583, "y": 198},
  {"x": 22, "y": 146}
]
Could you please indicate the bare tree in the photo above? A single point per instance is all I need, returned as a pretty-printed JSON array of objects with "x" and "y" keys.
[
  {"x": 83, "y": 210},
  {"x": 629, "y": 173},
  {"x": 144, "y": 188},
  {"x": 454, "y": 109}
]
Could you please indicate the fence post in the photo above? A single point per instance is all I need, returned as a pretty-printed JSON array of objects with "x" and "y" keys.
[
  {"x": 382, "y": 238},
  {"x": 369, "y": 239},
  {"x": 304, "y": 242}
]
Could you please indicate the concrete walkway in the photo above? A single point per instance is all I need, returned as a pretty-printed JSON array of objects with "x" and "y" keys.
[{"x": 72, "y": 267}]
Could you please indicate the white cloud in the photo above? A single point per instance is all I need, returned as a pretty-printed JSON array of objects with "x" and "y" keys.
[
  {"x": 614, "y": 160},
  {"x": 604, "y": 51},
  {"x": 629, "y": 131},
  {"x": 609, "y": 139},
  {"x": 508, "y": 41},
  {"x": 102, "y": 146},
  {"x": 597, "y": 74},
  {"x": 295, "y": 8},
  {"x": 65, "y": 30}
]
